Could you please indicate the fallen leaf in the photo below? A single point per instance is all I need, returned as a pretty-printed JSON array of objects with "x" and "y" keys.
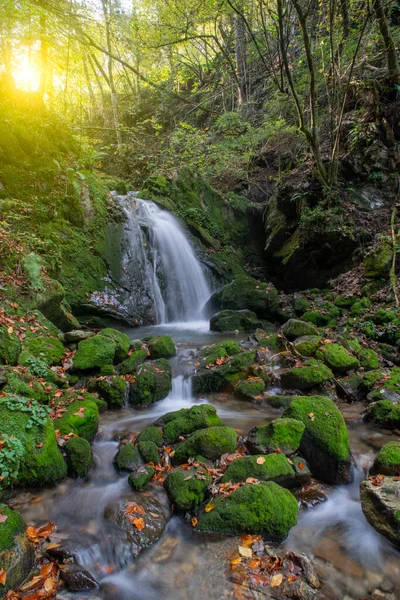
[
  {"x": 3, "y": 576},
  {"x": 138, "y": 523},
  {"x": 236, "y": 561},
  {"x": 255, "y": 563},
  {"x": 276, "y": 580},
  {"x": 210, "y": 506},
  {"x": 3, "y": 517},
  {"x": 194, "y": 522},
  {"x": 260, "y": 460},
  {"x": 300, "y": 465},
  {"x": 246, "y": 552}
]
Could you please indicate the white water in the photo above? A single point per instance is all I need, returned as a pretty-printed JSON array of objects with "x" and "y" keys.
[{"x": 172, "y": 275}]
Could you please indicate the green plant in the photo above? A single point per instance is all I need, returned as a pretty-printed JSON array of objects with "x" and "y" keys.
[
  {"x": 37, "y": 366},
  {"x": 38, "y": 413},
  {"x": 11, "y": 452}
]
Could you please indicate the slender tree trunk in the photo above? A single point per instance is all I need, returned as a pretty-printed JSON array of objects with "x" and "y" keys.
[
  {"x": 241, "y": 60},
  {"x": 44, "y": 55},
  {"x": 390, "y": 46}
]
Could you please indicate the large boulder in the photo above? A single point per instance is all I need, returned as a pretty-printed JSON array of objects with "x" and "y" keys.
[
  {"x": 387, "y": 461},
  {"x": 80, "y": 417},
  {"x": 224, "y": 374},
  {"x": 385, "y": 413},
  {"x": 280, "y": 434},
  {"x": 93, "y": 353},
  {"x": 250, "y": 388},
  {"x": 128, "y": 458},
  {"x": 235, "y": 320},
  {"x": 197, "y": 417},
  {"x": 272, "y": 467},
  {"x": 187, "y": 488},
  {"x": 380, "y": 502},
  {"x": 47, "y": 348},
  {"x": 294, "y": 328},
  {"x": 246, "y": 293},
  {"x": 153, "y": 382},
  {"x": 210, "y": 443},
  {"x": 79, "y": 456},
  {"x": 325, "y": 441},
  {"x": 17, "y": 553},
  {"x": 121, "y": 340},
  {"x": 161, "y": 346},
  {"x": 307, "y": 345},
  {"x": 10, "y": 347},
  {"x": 310, "y": 374},
  {"x": 337, "y": 358},
  {"x": 265, "y": 509},
  {"x": 29, "y": 434}
]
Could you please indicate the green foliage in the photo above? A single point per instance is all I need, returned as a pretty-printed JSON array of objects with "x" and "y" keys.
[
  {"x": 37, "y": 366},
  {"x": 11, "y": 453},
  {"x": 38, "y": 414}
]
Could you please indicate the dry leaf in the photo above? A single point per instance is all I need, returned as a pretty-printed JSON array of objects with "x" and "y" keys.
[
  {"x": 260, "y": 460},
  {"x": 138, "y": 523},
  {"x": 246, "y": 552},
  {"x": 276, "y": 580},
  {"x": 209, "y": 507},
  {"x": 3, "y": 517},
  {"x": 3, "y": 576}
]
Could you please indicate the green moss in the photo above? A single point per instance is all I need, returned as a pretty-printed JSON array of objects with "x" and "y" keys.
[
  {"x": 48, "y": 349},
  {"x": 301, "y": 305},
  {"x": 151, "y": 434},
  {"x": 345, "y": 301},
  {"x": 272, "y": 342},
  {"x": 149, "y": 452},
  {"x": 225, "y": 375},
  {"x": 198, "y": 417},
  {"x": 325, "y": 315},
  {"x": 360, "y": 307},
  {"x": 235, "y": 320},
  {"x": 384, "y": 413},
  {"x": 220, "y": 350},
  {"x": 161, "y": 347},
  {"x": 93, "y": 353},
  {"x": 24, "y": 384},
  {"x": 311, "y": 373},
  {"x": 210, "y": 443},
  {"x": 249, "y": 388},
  {"x": 81, "y": 417},
  {"x": 79, "y": 456},
  {"x": 387, "y": 461},
  {"x": 247, "y": 293},
  {"x": 121, "y": 340},
  {"x": 10, "y": 347},
  {"x": 325, "y": 441},
  {"x": 377, "y": 264},
  {"x": 187, "y": 488},
  {"x": 140, "y": 478},
  {"x": 107, "y": 370},
  {"x": 371, "y": 378},
  {"x": 130, "y": 365},
  {"x": 307, "y": 345},
  {"x": 42, "y": 462},
  {"x": 337, "y": 358},
  {"x": 112, "y": 389},
  {"x": 274, "y": 468},
  {"x": 153, "y": 382},
  {"x": 295, "y": 328},
  {"x": 12, "y": 527},
  {"x": 128, "y": 458},
  {"x": 383, "y": 316},
  {"x": 265, "y": 509},
  {"x": 280, "y": 434}
]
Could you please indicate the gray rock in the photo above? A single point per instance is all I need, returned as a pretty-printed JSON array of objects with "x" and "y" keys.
[
  {"x": 381, "y": 506},
  {"x": 77, "y": 335},
  {"x": 77, "y": 579}
]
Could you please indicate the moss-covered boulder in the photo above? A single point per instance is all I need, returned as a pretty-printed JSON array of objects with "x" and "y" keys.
[
  {"x": 325, "y": 441},
  {"x": 187, "y": 488},
  {"x": 381, "y": 506},
  {"x": 246, "y": 293},
  {"x": 295, "y": 328},
  {"x": 280, "y": 434},
  {"x": 113, "y": 389},
  {"x": 78, "y": 456},
  {"x": 149, "y": 452},
  {"x": 265, "y": 509},
  {"x": 210, "y": 354},
  {"x": 327, "y": 314},
  {"x": 151, "y": 434},
  {"x": 153, "y": 382},
  {"x": 250, "y": 388},
  {"x": 80, "y": 417},
  {"x": 93, "y": 353},
  {"x": 307, "y": 345},
  {"x": 378, "y": 262},
  {"x": 210, "y": 443},
  {"x": 36, "y": 459},
  {"x": 337, "y": 358},
  {"x": 214, "y": 378},
  {"x": 387, "y": 461},
  {"x": 161, "y": 346},
  {"x": 197, "y": 417},
  {"x": 17, "y": 553},
  {"x": 49, "y": 349},
  {"x": 384, "y": 413},
  {"x": 270, "y": 467},
  {"x": 121, "y": 340},
  {"x": 311, "y": 373},
  {"x": 22, "y": 383},
  {"x": 235, "y": 320},
  {"x": 10, "y": 347},
  {"x": 127, "y": 458},
  {"x": 129, "y": 365},
  {"x": 141, "y": 477}
]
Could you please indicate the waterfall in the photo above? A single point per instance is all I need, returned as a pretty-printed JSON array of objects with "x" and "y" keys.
[{"x": 160, "y": 279}]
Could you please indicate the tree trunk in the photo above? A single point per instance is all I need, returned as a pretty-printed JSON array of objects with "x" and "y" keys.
[
  {"x": 241, "y": 59},
  {"x": 390, "y": 46}
]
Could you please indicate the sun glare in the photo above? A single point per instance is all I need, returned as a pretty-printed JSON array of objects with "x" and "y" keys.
[{"x": 26, "y": 75}]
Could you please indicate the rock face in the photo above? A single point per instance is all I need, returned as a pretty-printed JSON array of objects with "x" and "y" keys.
[
  {"x": 325, "y": 441},
  {"x": 266, "y": 509},
  {"x": 280, "y": 434},
  {"x": 381, "y": 506},
  {"x": 387, "y": 461},
  {"x": 17, "y": 553},
  {"x": 235, "y": 320}
]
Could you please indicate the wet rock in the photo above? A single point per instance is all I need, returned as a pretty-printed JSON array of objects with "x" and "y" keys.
[
  {"x": 235, "y": 320},
  {"x": 17, "y": 553},
  {"x": 311, "y": 495},
  {"x": 280, "y": 434},
  {"x": 141, "y": 477},
  {"x": 112, "y": 389},
  {"x": 151, "y": 434},
  {"x": 190, "y": 420},
  {"x": 210, "y": 354},
  {"x": 78, "y": 456},
  {"x": 77, "y": 579},
  {"x": 130, "y": 365},
  {"x": 149, "y": 452},
  {"x": 380, "y": 502},
  {"x": 310, "y": 374},
  {"x": 128, "y": 458},
  {"x": 250, "y": 388},
  {"x": 387, "y": 461},
  {"x": 210, "y": 443},
  {"x": 272, "y": 467},
  {"x": 295, "y": 328},
  {"x": 384, "y": 413},
  {"x": 225, "y": 375},
  {"x": 161, "y": 346},
  {"x": 77, "y": 335},
  {"x": 153, "y": 382},
  {"x": 187, "y": 488}
]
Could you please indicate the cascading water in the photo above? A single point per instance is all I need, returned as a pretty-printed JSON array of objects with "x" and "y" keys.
[{"x": 160, "y": 279}]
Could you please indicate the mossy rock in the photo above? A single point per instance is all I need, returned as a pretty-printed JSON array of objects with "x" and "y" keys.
[
  {"x": 310, "y": 374},
  {"x": 370, "y": 379},
  {"x": 78, "y": 456},
  {"x": 323, "y": 316},
  {"x": 128, "y": 458},
  {"x": 360, "y": 307},
  {"x": 246, "y": 293},
  {"x": 153, "y": 382},
  {"x": 41, "y": 462},
  {"x": 129, "y": 366},
  {"x": 250, "y": 388},
  {"x": 279, "y": 400},
  {"x": 383, "y": 413},
  {"x": 107, "y": 370},
  {"x": 337, "y": 358},
  {"x": 149, "y": 452},
  {"x": 265, "y": 509},
  {"x": 387, "y": 461},
  {"x": 280, "y": 434},
  {"x": 307, "y": 345},
  {"x": 378, "y": 262},
  {"x": 151, "y": 434},
  {"x": 345, "y": 301},
  {"x": 161, "y": 346},
  {"x": 93, "y": 353},
  {"x": 17, "y": 553},
  {"x": 272, "y": 467},
  {"x": 197, "y": 417},
  {"x": 187, "y": 488},
  {"x": 49, "y": 349},
  {"x": 220, "y": 350},
  {"x": 295, "y": 328},
  {"x": 10, "y": 347},
  {"x": 24, "y": 384},
  {"x": 141, "y": 477},
  {"x": 113, "y": 389},
  {"x": 122, "y": 343},
  {"x": 210, "y": 443},
  {"x": 101, "y": 404},
  {"x": 81, "y": 417},
  {"x": 272, "y": 342},
  {"x": 325, "y": 441},
  {"x": 235, "y": 320},
  {"x": 383, "y": 316},
  {"x": 301, "y": 305},
  {"x": 225, "y": 375}
]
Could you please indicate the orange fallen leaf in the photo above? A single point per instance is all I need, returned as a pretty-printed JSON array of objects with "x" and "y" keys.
[
  {"x": 138, "y": 523},
  {"x": 236, "y": 561},
  {"x": 276, "y": 580},
  {"x": 209, "y": 507},
  {"x": 3, "y": 576},
  {"x": 246, "y": 552},
  {"x": 255, "y": 563},
  {"x": 194, "y": 522},
  {"x": 260, "y": 460},
  {"x": 300, "y": 465}
]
